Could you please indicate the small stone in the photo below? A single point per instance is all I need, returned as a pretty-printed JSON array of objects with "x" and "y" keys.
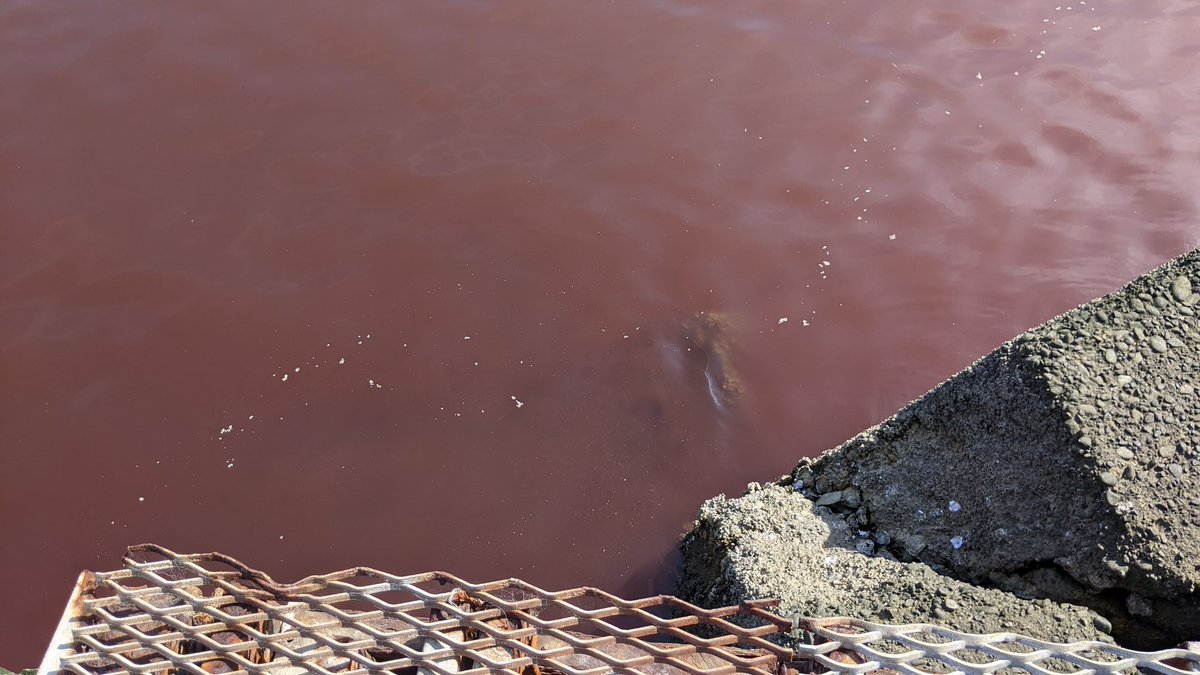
[
  {"x": 1187, "y": 389},
  {"x": 914, "y": 545},
  {"x": 950, "y": 604},
  {"x": 1102, "y": 624},
  {"x": 1175, "y": 342},
  {"x": 1138, "y": 606},
  {"x": 829, "y": 498},
  {"x": 1166, "y": 451},
  {"x": 1176, "y": 470},
  {"x": 851, "y": 498},
  {"x": 1086, "y": 409},
  {"x": 1108, "y": 478},
  {"x": 1111, "y": 498},
  {"x": 1124, "y": 453},
  {"x": 865, "y": 546},
  {"x": 1157, "y": 343},
  {"x": 883, "y": 538},
  {"x": 1123, "y": 380},
  {"x": 1110, "y": 355},
  {"x": 1181, "y": 288}
]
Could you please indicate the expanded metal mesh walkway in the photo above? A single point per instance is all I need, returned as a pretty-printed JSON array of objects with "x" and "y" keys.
[{"x": 208, "y": 613}]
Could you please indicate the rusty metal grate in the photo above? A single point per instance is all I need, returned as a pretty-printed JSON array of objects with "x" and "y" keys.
[{"x": 208, "y": 613}]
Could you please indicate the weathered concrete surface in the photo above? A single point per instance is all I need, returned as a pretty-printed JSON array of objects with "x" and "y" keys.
[
  {"x": 773, "y": 542},
  {"x": 1063, "y": 465}
]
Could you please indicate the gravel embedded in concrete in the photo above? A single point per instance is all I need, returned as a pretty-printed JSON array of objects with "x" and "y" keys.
[{"x": 773, "y": 542}]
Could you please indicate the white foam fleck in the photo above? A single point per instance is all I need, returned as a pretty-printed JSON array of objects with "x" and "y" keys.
[{"x": 783, "y": 320}]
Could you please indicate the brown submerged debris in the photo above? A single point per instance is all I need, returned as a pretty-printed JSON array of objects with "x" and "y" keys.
[{"x": 708, "y": 333}]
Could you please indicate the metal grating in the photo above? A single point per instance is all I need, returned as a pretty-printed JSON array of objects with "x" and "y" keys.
[{"x": 208, "y": 613}]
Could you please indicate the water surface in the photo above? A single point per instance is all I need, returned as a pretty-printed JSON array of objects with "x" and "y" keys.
[{"x": 412, "y": 285}]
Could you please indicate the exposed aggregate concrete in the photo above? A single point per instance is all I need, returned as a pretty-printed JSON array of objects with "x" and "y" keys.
[{"x": 1063, "y": 465}]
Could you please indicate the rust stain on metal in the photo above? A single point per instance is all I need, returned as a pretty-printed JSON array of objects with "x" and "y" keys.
[{"x": 85, "y": 585}]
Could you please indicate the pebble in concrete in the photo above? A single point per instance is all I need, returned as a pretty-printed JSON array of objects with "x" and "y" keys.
[{"x": 1181, "y": 288}]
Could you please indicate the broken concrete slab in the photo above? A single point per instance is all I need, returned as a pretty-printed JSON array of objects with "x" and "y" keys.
[
  {"x": 1063, "y": 465},
  {"x": 774, "y": 542}
]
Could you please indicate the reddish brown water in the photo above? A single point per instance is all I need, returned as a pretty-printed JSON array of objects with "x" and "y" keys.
[{"x": 499, "y": 214}]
